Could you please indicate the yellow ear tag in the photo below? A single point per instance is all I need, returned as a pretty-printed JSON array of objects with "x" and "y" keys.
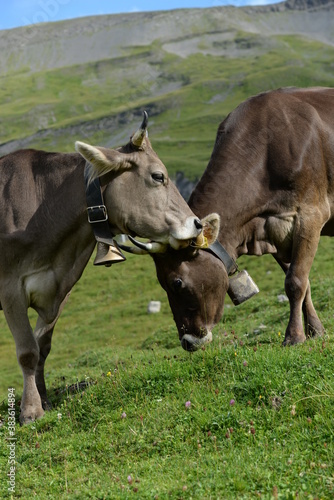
[{"x": 202, "y": 241}]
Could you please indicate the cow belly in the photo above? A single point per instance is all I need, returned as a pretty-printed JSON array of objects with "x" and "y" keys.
[{"x": 41, "y": 289}]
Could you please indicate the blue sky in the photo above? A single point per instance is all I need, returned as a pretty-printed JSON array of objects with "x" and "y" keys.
[{"x": 23, "y": 12}]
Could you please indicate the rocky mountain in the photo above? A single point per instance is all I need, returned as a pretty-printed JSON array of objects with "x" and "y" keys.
[{"x": 181, "y": 32}]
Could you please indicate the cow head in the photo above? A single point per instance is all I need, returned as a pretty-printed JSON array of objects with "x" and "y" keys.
[
  {"x": 196, "y": 282},
  {"x": 138, "y": 194}
]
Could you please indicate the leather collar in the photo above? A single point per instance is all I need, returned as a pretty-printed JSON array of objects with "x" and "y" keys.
[
  {"x": 219, "y": 251},
  {"x": 96, "y": 210}
]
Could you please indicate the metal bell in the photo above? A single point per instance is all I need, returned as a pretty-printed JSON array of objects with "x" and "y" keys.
[
  {"x": 241, "y": 288},
  {"x": 108, "y": 254}
]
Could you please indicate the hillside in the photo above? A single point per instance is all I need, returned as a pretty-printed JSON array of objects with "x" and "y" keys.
[
  {"x": 90, "y": 78},
  {"x": 132, "y": 412}
]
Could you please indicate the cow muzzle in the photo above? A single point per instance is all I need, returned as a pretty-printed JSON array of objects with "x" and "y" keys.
[
  {"x": 191, "y": 343},
  {"x": 182, "y": 235}
]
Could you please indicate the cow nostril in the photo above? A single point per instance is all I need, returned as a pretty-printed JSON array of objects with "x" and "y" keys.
[
  {"x": 198, "y": 224},
  {"x": 188, "y": 346}
]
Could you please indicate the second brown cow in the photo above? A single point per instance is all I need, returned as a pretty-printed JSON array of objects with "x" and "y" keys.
[{"x": 271, "y": 180}]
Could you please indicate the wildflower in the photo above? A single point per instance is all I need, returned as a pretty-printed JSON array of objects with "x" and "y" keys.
[
  {"x": 279, "y": 334},
  {"x": 252, "y": 430},
  {"x": 129, "y": 479},
  {"x": 59, "y": 415},
  {"x": 232, "y": 402},
  {"x": 187, "y": 404},
  {"x": 109, "y": 374},
  {"x": 245, "y": 363},
  {"x": 123, "y": 415},
  {"x": 235, "y": 354}
]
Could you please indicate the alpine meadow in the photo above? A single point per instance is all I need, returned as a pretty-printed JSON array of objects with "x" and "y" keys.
[{"x": 134, "y": 415}]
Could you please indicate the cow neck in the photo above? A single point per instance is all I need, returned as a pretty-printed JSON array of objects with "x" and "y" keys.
[{"x": 96, "y": 210}]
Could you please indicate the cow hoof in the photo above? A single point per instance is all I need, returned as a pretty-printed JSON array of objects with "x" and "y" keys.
[
  {"x": 46, "y": 404},
  {"x": 298, "y": 339},
  {"x": 28, "y": 417},
  {"x": 316, "y": 332}
]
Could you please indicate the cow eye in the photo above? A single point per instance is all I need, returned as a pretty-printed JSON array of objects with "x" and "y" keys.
[
  {"x": 158, "y": 177},
  {"x": 177, "y": 284}
]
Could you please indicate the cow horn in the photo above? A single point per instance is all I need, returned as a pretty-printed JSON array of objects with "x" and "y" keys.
[
  {"x": 151, "y": 247},
  {"x": 134, "y": 250},
  {"x": 139, "y": 136}
]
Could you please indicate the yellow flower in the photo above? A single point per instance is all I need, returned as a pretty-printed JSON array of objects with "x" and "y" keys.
[
  {"x": 109, "y": 374},
  {"x": 279, "y": 334}
]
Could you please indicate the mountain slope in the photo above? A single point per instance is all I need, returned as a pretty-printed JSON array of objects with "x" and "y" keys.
[
  {"x": 90, "y": 78},
  {"x": 84, "y": 40}
]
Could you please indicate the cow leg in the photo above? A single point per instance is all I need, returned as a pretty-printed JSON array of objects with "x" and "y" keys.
[
  {"x": 312, "y": 323},
  {"x": 27, "y": 352},
  {"x": 43, "y": 333},
  {"x": 305, "y": 243}
]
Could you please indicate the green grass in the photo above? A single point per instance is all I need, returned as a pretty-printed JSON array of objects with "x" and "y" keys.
[
  {"x": 277, "y": 436},
  {"x": 276, "y": 439}
]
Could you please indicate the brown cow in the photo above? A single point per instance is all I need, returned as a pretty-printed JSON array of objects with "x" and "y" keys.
[
  {"x": 271, "y": 179},
  {"x": 46, "y": 239}
]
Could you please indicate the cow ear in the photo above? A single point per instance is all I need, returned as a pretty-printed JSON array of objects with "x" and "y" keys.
[
  {"x": 211, "y": 224},
  {"x": 102, "y": 160}
]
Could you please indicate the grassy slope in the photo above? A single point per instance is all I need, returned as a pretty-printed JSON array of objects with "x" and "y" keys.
[
  {"x": 285, "y": 396},
  {"x": 90, "y": 452},
  {"x": 193, "y": 94},
  {"x": 276, "y": 438}
]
